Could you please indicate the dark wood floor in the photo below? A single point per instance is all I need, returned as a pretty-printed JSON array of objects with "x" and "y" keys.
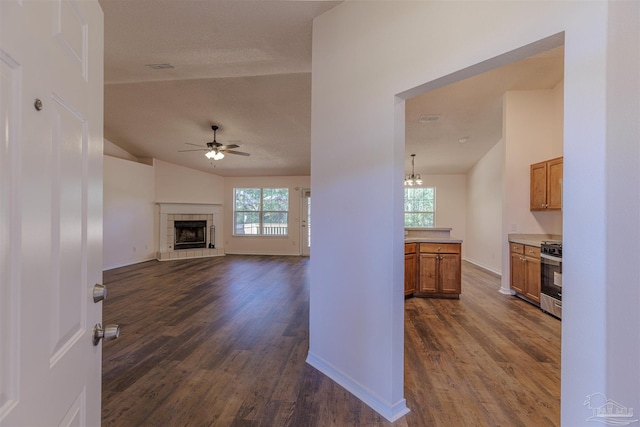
[{"x": 223, "y": 341}]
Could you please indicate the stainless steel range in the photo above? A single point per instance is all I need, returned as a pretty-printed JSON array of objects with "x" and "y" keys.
[{"x": 551, "y": 277}]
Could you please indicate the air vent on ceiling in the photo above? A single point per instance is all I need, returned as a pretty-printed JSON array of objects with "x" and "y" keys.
[
  {"x": 429, "y": 118},
  {"x": 160, "y": 66}
]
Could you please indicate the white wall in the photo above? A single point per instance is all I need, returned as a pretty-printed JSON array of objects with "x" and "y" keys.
[
  {"x": 130, "y": 227},
  {"x": 177, "y": 184},
  {"x": 532, "y": 134},
  {"x": 483, "y": 243},
  {"x": 132, "y": 191},
  {"x": 289, "y": 245},
  {"x": 110, "y": 149},
  {"x": 451, "y": 202},
  {"x": 622, "y": 207},
  {"x": 364, "y": 53}
]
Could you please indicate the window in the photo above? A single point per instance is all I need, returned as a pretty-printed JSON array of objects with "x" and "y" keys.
[
  {"x": 261, "y": 211},
  {"x": 420, "y": 207}
]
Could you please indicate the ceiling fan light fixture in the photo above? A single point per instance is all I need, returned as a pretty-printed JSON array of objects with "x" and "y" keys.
[
  {"x": 214, "y": 154},
  {"x": 215, "y": 150}
]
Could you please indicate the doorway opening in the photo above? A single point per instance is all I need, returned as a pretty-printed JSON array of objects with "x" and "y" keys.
[{"x": 448, "y": 127}]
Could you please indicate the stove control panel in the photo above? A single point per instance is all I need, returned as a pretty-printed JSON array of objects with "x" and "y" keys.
[{"x": 551, "y": 248}]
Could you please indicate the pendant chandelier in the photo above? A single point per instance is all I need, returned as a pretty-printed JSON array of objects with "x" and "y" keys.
[{"x": 414, "y": 178}]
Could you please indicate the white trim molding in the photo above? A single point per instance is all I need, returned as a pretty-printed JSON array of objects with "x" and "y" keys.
[{"x": 391, "y": 411}]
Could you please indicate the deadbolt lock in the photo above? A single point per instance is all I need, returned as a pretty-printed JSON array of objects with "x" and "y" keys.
[{"x": 99, "y": 292}]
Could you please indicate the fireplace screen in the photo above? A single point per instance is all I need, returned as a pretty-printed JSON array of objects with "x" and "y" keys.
[{"x": 190, "y": 234}]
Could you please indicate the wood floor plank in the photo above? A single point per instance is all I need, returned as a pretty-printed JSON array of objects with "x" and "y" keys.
[{"x": 223, "y": 342}]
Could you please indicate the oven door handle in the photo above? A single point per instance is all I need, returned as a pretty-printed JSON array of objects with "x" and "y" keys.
[{"x": 551, "y": 258}]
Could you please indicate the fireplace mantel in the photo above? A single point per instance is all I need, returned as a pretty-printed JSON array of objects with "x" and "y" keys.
[{"x": 171, "y": 212}]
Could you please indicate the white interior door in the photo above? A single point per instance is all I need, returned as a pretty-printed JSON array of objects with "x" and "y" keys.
[
  {"x": 51, "y": 211},
  {"x": 306, "y": 222}
]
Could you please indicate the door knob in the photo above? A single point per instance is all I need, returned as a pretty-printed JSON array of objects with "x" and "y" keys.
[
  {"x": 110, "y": 332},
  {"x": 99, "y": 292}
]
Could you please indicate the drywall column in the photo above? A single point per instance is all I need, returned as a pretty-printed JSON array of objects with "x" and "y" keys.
[
  {"x": 623, "y": 205},
  {"x": 364, "y": 53},
  {"x": 356, "y": 298}
]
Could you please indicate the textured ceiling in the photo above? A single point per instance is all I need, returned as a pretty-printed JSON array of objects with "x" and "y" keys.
[
  {"x": 471, "y": 109},
  {"x": 242, "y": 65},
  {"x": 245, "y": 66}
]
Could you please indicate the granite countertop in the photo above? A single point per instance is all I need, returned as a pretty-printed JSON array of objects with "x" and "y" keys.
[
  {"x": 431, "y": 240},
  {"x": 533, "y": 239}
]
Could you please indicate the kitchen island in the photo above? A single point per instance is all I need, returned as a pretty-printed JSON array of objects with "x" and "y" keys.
[{"x": 433, "y": 267}]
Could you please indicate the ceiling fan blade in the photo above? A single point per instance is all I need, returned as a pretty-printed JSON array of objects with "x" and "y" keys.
[
  {"x": 235, "y": 152},
  {"x": 195, "y": 145},
  {"x": 228, "y": 147},
  {"x": 198, "y": 149}
]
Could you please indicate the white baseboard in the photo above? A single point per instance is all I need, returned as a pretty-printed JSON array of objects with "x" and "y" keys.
[
  {"x": 484, "y": 267},
  {"x": 232, "y": 252},
  {"x": 392, "y": 412},
  {"x": 124, "y": 264},
  {"x": 507, "y": 291}
]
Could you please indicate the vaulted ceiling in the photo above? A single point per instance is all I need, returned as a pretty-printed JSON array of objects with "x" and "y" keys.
[{"x": 174, "y": 68}]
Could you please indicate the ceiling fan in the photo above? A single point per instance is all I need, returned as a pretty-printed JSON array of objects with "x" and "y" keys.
[{"x": 214, "y": 149}]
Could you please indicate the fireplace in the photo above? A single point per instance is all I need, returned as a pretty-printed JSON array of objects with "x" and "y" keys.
[
  {"x": 187, "y": 231},
  {"x": 190, "y": 234}
]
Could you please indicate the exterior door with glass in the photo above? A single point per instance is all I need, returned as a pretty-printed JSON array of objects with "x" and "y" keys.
[{"x": 306, "y": 222}]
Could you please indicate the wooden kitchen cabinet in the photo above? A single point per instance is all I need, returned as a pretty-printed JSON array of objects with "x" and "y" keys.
[
  {"x": 440, "y": 273},
  {"x": 546, "y": 185},
  {"x": 525, "y": 271},
  {"x": 410, "y": 268}
]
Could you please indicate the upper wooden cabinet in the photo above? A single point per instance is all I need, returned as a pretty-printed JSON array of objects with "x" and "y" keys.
[{"x": 546, "y": 185}]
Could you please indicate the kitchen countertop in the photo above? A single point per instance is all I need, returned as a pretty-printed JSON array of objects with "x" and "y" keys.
[
  {"x": 533, "y": 239},
  {"x": 431, "y": 240},
  {"x": 429, "y": 228}
]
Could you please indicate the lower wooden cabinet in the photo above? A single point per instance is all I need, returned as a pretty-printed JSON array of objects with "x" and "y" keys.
[
  {"x": 440, "y": 270},
  {"x": 525, "y": 271},
  {"x": 410, "y": 268}
]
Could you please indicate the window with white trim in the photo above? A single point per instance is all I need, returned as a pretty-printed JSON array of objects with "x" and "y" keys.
[
  {"x": 420, "y": 207},
  {"x": 261, "y": 212}
]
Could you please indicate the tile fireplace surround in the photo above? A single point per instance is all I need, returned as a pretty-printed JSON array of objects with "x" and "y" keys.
[{"x": 171, "y": 212}]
